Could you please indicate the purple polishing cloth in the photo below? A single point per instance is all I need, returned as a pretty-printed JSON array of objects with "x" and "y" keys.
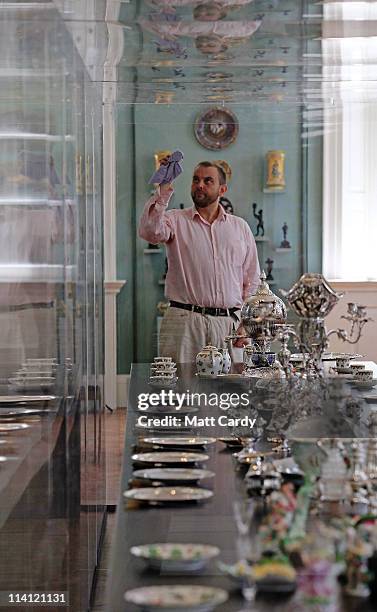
[{"x": 167, "y": 174}]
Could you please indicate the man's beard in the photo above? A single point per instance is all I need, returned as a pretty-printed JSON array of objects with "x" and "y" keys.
[{"x": 204, "y": 200}]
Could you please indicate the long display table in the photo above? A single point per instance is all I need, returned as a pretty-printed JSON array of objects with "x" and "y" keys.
[{"x": 209, "y": 523}]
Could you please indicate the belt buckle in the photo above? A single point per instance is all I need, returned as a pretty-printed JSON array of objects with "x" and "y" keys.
[{"x": 203, "y": 310}]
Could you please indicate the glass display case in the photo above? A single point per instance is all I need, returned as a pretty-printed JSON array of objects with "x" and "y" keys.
[{"x": 51, "y": 306}]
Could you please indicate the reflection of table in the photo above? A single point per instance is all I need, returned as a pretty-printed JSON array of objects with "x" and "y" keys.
[{"x": 210, "y": 523}]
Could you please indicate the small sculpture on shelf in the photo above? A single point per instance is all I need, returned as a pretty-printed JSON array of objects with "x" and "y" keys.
[
  {"x": 269, "y": 263},
  {"x": 285, "y": 244},
  {"x": 259, "y": 216}
]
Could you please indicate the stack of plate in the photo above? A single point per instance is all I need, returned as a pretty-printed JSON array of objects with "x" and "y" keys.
[
  {"x": 163, "y": 372},
  {"x": 35, "y": 374}
]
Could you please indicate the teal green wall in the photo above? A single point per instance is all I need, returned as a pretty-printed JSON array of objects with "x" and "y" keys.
[{"x": 144, "y": 129}]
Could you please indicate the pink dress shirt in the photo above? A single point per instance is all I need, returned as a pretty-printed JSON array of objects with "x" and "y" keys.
[{"x": 213, "y": 265}]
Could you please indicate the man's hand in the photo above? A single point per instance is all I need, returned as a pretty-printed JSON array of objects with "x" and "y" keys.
[
  {"x": 241, "y": 342},
  {"x": 166, "y": 188}
]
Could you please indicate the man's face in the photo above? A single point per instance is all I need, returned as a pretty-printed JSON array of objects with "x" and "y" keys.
[{"x": 206, "y": 188}]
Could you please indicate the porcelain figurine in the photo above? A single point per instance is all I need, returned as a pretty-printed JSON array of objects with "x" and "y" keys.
[{"x": 209, "y": 361}]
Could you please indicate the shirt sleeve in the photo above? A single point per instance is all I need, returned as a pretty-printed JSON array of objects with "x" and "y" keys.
[
  {"x": 251, "y": 269},
  {"x": 156, "y": 225}
]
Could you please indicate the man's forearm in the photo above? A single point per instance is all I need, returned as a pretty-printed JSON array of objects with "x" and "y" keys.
[{"x": 154, "y": 225}]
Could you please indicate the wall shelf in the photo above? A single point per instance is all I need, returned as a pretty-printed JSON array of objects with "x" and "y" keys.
[
  {"x": 152, "y": 251},
  {"x": 161, "y": 282},
  {"x": 261, "y": 239},
  {"x": 283, "y": 250}
]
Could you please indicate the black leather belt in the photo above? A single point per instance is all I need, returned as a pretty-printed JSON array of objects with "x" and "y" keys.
[{"x": 207, "y": 310}]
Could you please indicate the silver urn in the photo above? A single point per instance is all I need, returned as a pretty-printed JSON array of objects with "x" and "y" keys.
[{"x": 260, "y": 314}]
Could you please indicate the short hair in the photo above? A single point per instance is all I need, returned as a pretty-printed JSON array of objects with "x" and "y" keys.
[{"x": 220, "y": 171}]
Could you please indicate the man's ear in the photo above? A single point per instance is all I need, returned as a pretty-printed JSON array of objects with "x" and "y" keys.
[{"x": 223, "y": 189}]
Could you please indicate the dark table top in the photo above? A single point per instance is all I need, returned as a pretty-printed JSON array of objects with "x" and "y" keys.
[{"x": 211, "y": 523}]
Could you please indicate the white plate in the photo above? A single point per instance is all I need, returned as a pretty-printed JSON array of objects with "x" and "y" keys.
[
  {"x": 25, "y": 399},
  {"x": 8, "y": 427},
  {"x": 168, "y": 494},
  {"x": 176, "y": 474},
  {"x": 163, "y": 384},
  {"x": 334, "y": 356},
  {"x": 176, "y": 557},
  {"x": 177, "y": 598},
  {"x": 343, "y": 370},
  {"x": 298, "y": 357},
  {"x": 181, "y": 441},
  {"x": 170, "y": 457},
  {"x": 365, "y": 384}
]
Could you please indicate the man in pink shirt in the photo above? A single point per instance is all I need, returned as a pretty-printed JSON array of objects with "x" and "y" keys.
[{"x": 212, "y": 265}]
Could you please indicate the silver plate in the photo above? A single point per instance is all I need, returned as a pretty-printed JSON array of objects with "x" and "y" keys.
[
  {"x": 180, "y": 441},
  {"x": 231, "y": 442},
  {"x": 25, "y": 399},
  {"x": 176, "y": 474},
  {"x": 22, "y": 412},
  {"x": 8, "y": 427},
  {"x": 168, "y": 494},
  {"x": 170, "y": 457},
  {"x": 364, "y": 385}
]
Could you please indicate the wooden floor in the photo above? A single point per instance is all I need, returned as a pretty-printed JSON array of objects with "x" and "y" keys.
[{"x": 115, "y": 428}]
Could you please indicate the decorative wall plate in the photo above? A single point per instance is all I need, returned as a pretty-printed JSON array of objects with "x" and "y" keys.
[{"x": 216, "y": 128}]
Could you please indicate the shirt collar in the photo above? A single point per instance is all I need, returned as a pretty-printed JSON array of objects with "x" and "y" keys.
[{"x": 220, "y": 217}]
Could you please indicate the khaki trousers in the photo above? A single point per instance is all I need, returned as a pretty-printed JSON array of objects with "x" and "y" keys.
[{"x": 184, "y": 333}]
